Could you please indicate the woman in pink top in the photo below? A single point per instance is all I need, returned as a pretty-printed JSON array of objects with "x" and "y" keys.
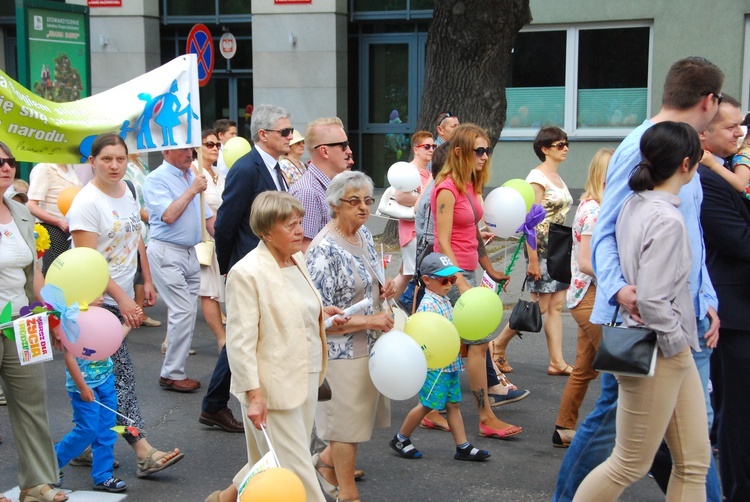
[
  {"x": 456, "y": 203},
  {"x": 423, "y": 146}
]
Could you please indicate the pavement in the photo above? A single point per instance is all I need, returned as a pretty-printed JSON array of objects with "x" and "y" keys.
[{"x": 522, "y": 468}]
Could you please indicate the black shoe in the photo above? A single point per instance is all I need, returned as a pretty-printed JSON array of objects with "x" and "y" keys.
[
  {"x": 404, "y": 448},
  {"x": 112, "y": 485},
  {"x": 471, "y": 454}
]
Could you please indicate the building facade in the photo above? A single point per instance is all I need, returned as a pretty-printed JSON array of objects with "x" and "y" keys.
[{"x": 592, "y": 67}]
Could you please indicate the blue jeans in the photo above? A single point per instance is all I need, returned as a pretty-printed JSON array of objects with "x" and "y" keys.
[
  {"x": 595, "y": 437},
  {"x": 92, "y": 427}
]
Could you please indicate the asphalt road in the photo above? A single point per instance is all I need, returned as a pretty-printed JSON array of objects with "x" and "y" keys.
[{"x": 523, "y": 468}]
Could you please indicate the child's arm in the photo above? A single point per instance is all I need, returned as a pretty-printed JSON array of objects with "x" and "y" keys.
[
  {"x": 75, "y": 373},
  {"x": 738, "y": 182}
]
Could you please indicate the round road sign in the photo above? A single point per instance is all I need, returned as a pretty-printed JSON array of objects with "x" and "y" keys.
[
  {"x": 200, "y": 43},
  {"x": 228, "y": 45}
]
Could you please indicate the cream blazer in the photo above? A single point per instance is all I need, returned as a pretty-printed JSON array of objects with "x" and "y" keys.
[
  {"x": 266, "y": 340},
  {"x": 25, "y": 222}
]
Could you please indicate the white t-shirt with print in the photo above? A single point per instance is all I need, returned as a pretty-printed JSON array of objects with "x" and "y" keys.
[{"x": 118, "y": 223}]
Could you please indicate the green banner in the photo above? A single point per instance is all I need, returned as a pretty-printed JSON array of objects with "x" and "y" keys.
[
  {"x": 156, "y": 111},
  {"x": 57, "y": 54}
]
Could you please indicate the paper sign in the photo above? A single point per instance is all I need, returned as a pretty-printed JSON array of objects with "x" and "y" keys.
[
  {"x": 33, "y": 339},
  {"x": 487, "y": 282}
]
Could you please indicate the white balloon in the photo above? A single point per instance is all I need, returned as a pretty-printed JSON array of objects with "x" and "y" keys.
[
  {"x": 398, "y": 367},
  {"x": 404, "y": 176},
  {"x": 504, "y": 211}
]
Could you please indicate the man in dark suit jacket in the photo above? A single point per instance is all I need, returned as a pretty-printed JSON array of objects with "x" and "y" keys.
[
  {"x": 252, "y": 174},
  {"x": 725, "y": 217}
]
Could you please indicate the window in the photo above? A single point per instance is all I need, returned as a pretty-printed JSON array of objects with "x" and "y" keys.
[{"x": 591, "y": 81}]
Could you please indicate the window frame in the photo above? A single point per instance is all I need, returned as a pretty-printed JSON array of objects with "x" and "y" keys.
[{"x": 571, "y": 81}]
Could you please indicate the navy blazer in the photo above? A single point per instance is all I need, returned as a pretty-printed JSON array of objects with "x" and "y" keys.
[
  {"x": 247, "y": 178},
  {"x": 725, "y": 217}
]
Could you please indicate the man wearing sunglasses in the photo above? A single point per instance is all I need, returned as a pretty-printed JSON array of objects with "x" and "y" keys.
[
  {"x": 254, "y": 173},
  {"x": 330, "y": 155}
]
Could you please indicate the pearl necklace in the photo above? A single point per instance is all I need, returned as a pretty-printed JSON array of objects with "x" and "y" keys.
[{"x": 359, "y": 239}]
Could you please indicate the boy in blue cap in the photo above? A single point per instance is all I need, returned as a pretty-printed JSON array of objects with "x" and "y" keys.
[{"x": 442, "y": 388}]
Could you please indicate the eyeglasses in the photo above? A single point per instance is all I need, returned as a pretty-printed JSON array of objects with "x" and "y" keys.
[
  {"x": 717, "y": 95},
  {"x": 560, "y": 146},
  {"x": 444, "y": 116},
  {"x": 482, "y": 150},
  {"x": 356, "y": 201},
  {"x": 211, "y": 144},
  {"x": 287, "y": 131},
  {"x": 343, "y": 144},
  {"x": 444, "y": 280},
  {"x": 428, "y": 147},
  {"x": 11, "y": 161}
]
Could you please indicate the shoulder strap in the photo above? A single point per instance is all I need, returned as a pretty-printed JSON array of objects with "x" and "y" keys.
[
  {"x": 476, "y": 220},
  {"x": 131, "y": 187}
]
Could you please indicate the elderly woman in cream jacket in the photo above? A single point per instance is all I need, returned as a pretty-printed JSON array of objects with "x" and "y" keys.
[{"x": 276, "y": 343}]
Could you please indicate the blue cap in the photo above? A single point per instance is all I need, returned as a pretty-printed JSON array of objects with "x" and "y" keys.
[{"x": 438, "y": 265}]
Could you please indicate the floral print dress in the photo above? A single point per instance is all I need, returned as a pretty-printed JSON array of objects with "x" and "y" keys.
[
  {"x": 583, "y": 224},
  {"x": 556, "y": 202}
]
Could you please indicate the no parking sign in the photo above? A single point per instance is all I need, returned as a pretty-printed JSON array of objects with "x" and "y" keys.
[{"x": 200, "y": 43}]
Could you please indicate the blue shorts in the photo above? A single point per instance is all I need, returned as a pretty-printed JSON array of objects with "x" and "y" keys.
[{"x": 446, "y": 390}]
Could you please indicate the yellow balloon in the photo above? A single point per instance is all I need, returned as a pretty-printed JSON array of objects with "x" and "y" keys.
[
  {"x": 437, "y": 337},
  {"x": 477, "y": 313},
  {"x": 234, "y": 149},
  {"x": 81, "y": 273},
  {"x": 524, "y": 188},
  {"x": 65, "y": 198},
  {"x": 275, "y": 484}
]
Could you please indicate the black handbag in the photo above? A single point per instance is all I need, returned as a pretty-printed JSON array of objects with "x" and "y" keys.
[
  {"x": 559, "y": 249},
  {"x": 324, "y": 391},
  {"x": 626, "y": 351},
  {"x": 526, "y": 315}
]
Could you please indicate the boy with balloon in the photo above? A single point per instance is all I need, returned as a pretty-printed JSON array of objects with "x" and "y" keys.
[{"x": 442, "y": 387}]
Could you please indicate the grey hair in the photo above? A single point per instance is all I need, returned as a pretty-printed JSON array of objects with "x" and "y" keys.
[
  {"x": 342, "y": 182},
  {"x": 265, "y": 117},
  {"x": 6, "y": 149}
]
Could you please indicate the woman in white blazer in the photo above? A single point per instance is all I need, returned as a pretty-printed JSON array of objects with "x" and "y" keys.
[{"x": 276, "y": 342}]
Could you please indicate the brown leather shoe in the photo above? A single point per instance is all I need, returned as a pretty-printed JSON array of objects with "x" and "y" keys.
[
  {"x": 223, "y": 419},
  {"x": 185, "y": 385}
]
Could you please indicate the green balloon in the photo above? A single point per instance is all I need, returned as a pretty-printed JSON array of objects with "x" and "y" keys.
[
  {"x": 524, "y": 188},
  {"x": 477, "y": 313}
]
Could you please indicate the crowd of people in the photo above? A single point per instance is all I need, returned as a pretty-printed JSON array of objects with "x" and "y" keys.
[{"x": 655, "y": 235}]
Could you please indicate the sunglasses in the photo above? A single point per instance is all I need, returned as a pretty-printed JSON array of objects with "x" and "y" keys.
[
  {"x": 211, "y": 144},
  {"x": 445, "y": 116},
  {"x": 356, "y": 201},
  {"x": 428, "y": 147},
  {"x": 482, "y": 150},
  {"x": 561, "y": 145},
  {"x": 444, "y": 280},
  {"x": 287, "y": 131},
  {"x": 11, "y": 161},
  {"x": 717, "y": 95},
  {"x": 343, "y": 144}
]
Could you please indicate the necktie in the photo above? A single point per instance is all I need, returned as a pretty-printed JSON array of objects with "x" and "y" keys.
[{"x": 280, "y": 178}]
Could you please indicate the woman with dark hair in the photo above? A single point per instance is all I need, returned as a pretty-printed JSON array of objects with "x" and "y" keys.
[
  {"x": 551, "y": 147},
  {"x": 655, "y": 257},
  {"x": 25, "y": 386},
  {"x": 456, "y": 199},
  {"x": 105, "y": 216}
]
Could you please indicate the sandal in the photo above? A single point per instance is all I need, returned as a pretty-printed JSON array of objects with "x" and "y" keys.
[
  {"x": 502, "y": 364},
  {"x": 489, "y": 432},
  {"x": 564, "y": 372},
  {"x": 327, "y": 486},
  {"x": 151, "y": 465},
  {"x": 39, "y": 494},
  {"x": 426, "y": 423},
  {"x": 471, "y": 454},
  {"x": 562, "y": 440},
  {"x": 404, "y": 448},
  {"x": 505, "y": 382}
]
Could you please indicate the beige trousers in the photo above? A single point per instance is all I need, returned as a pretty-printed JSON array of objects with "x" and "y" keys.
[
  {"x": 289, "y": 431},
  {"x": 670, "y": 405}
]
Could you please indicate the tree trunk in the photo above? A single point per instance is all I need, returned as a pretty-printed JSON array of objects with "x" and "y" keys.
[
  {"x": 468, "y": 52},
  {"x": 390, "y": 233}
]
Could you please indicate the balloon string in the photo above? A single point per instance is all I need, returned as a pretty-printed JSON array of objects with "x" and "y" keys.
[
  {"x": 434, "y": 384},
  {"x": 513, "y": 258},
  {"x": 114, "y": 411}
]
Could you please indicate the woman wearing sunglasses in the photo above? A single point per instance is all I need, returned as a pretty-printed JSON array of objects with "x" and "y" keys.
[
  {"x": 346, "y": 269},
  {"x": 212, "y": 282},
  {"x": 457, "y": 206},
  {"x": 551, "y": 146},
  {"x": 423, "y": 146},
  {"x": 24, "y": 386}
]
